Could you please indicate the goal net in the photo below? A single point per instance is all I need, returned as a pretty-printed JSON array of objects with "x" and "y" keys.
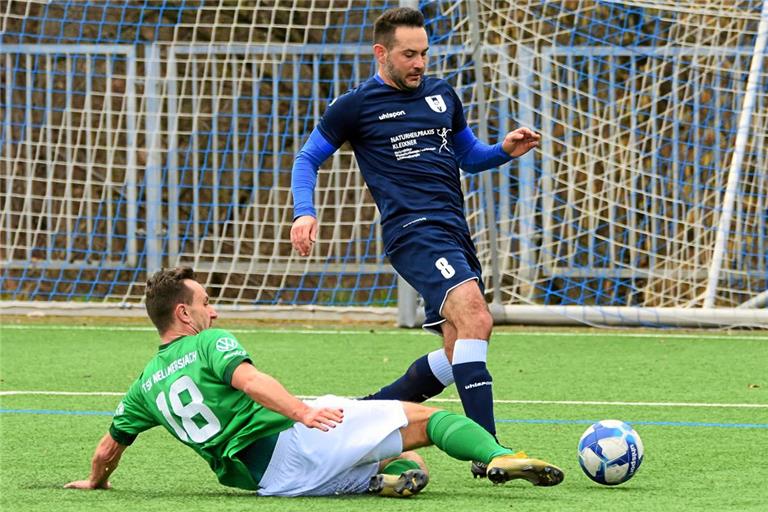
[{"x": 146, "y": 134}]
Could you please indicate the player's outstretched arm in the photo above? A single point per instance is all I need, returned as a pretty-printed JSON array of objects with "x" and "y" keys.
[
  {"x": 104, "y": 462},
  {"x": 267, "y": 391},
  {"x": 315, "y": 151},
  {"x": 304, "y": 234},
  {"x": 518, "y": 142}
]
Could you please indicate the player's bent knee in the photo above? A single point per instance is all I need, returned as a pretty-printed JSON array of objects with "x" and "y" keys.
[
  {"x": 415, "y": 433},
  {"x": 415, "y": 457},
  {"x": 483, "y": 321},
  {"x": 478, "y": 309},
  {"x": 475, "y": 322},
  {"x": 468, "y": 313},
  {"x": 417, "y": 413}
]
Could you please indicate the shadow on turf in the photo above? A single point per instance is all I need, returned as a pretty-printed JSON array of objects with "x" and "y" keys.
[
  {"x": 508, "y": 492},
  {"x": 125, "y": 492},
  {"x": 618, "y": 488},
  {"x": 151, "y": 493}
]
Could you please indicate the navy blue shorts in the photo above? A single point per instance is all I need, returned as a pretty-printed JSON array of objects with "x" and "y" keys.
[{"x": 435, "y": 260}]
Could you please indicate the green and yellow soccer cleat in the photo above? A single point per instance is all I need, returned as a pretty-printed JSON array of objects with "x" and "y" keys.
[
  {"x": 515, "y": 466},
  {"x": 408, "y": 483}
]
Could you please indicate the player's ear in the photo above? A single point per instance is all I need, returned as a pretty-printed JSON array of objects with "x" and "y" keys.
[
  {"x": 181, "y": 312},
  {"x": 380, "y": 52}
]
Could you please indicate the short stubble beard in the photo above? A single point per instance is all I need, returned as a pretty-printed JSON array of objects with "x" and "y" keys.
[{"x": 398, "y": 79}]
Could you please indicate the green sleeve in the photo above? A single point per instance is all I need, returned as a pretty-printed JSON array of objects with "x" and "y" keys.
[
  {"x": 223, "y": 353},
  {"x": 230, "y": 370},
  {"x": 121, "y": 437},
  {"x": 131, "y": 417}
]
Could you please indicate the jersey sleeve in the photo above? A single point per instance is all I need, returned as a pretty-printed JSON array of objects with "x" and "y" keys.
[
  {"x": 304, "y": 174},
  {"x": 475, "y": 156},
  {"x": 131, "y": 417},
  {"x": 223, "y": 353},
  {"x": 339, "y": 123}
]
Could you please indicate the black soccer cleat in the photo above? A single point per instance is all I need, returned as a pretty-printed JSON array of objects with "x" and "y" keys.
[
  {"x": 519, "y": 466},
  {"x": 478, "y": 469},
  {"x": 409, "y": 483}
]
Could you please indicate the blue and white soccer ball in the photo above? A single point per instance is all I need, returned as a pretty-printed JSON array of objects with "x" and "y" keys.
[{"x": 610, "y": 452}]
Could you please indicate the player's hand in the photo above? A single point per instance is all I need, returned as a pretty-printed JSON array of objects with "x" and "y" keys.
[
  {"x": 87, "y": 484},
  {"x": 324, "y": 418},
  {"x": 520, "y": 141},
  {"x": 304, "y": 234}
]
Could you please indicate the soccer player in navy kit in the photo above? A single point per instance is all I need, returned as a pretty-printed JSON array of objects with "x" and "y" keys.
[{"x": 410, "y": 138}]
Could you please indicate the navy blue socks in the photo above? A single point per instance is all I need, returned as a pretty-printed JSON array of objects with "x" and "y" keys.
[
  {"x": 474, "y": 382},
  {"x": 430, "y": 374},
  {"x": 425, "y": 378}
]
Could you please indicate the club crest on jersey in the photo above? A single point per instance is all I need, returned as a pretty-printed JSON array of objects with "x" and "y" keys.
[
  {"x": 225, "y": 344},
  {"x": 436, "y": 103}
]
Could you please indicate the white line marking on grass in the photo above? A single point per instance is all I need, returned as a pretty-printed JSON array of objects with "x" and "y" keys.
[
  {"x": 407, "y": 332},
  {"x": 452, "y": 400},
  {"x": 21, "y": 327},
  {"x": 62, "y": 393},
  {"x": 624, "y": 404}
]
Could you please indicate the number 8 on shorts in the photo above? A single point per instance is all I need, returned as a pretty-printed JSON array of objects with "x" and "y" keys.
[{"x": 445, "y": 268}]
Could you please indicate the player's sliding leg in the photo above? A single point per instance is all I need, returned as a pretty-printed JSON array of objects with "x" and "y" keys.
[
  {"x": 425, "y": 378},
  {"x": 463, "y": 439},
  {"x": 466, "y": 333},
  {"x": 400, "y": 477}
]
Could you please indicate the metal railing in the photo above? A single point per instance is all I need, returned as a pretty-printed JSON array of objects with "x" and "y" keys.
[{"x": 68, "y": 182}]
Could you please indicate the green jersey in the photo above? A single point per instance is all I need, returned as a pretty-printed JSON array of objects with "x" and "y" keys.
[{"x": 186, "y": 389}]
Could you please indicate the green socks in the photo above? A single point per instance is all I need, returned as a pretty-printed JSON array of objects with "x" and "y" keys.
[
  {"x": 462, "y": 438},
  {"x": 399, "y": 466}
]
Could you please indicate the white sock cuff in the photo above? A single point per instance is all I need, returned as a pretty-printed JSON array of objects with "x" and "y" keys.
[
  {"x": 441, "y": 367},
  {"x": 470, "y": 351}
]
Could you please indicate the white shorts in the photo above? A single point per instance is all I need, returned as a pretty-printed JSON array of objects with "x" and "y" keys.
[{"x": 310, "y": 462}]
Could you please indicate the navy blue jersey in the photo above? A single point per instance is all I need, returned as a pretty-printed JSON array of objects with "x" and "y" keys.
[{"x": 403, "y": 142}]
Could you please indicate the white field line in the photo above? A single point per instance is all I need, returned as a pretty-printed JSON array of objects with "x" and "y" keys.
[
  {"x": 452, "y": 400},
  {"x": 406, "y": 332}
]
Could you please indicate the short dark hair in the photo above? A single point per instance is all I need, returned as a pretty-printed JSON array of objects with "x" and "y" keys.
[
  {"x": 385, "y": 25},
  {"x": 165, "y": 289}
]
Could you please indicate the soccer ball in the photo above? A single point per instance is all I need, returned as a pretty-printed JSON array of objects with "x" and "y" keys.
[{"x": 610, "y": 452}]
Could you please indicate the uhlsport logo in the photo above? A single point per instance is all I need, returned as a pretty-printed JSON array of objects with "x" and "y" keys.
[
  {"x": 436, "y": 103},
  {"x": 391, "y": 115},
  {"x": 633, "y": 459},
  {"x": 226, "y": 344}
]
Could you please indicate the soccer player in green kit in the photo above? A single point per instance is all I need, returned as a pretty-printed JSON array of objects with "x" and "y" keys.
[{"x": 203, "y": 388}]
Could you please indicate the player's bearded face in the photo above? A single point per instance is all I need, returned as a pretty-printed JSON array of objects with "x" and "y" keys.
[
  {"x": 406, "y": 61},
  {"x": 404, "y": 79}
]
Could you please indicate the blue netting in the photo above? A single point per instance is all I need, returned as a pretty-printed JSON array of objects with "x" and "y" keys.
[{"x": 603, "y": 71}]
